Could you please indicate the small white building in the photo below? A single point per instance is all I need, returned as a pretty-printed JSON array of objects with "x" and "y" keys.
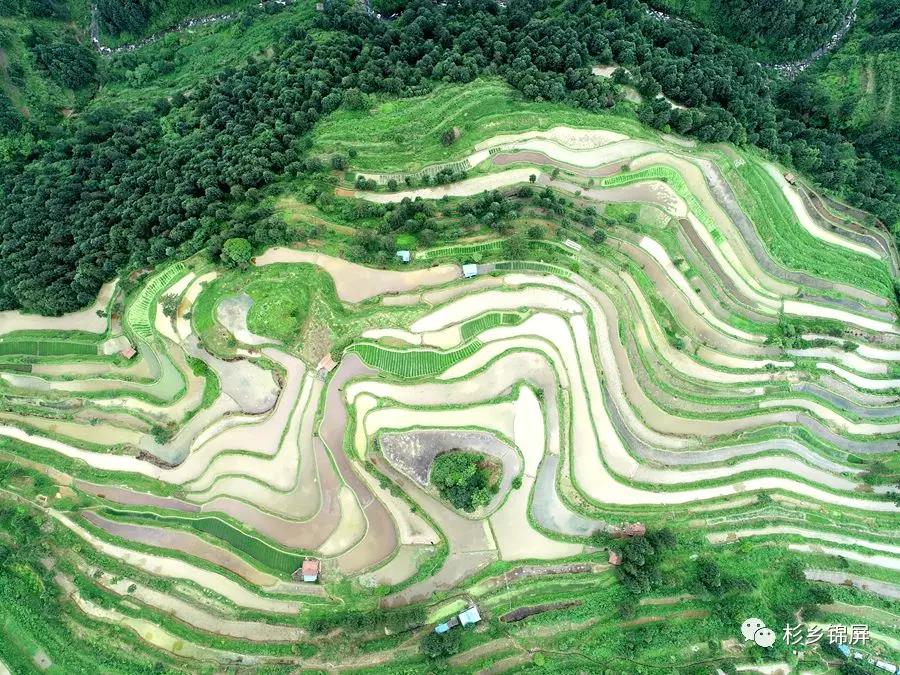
[
  {"x": 574, "y": 245},
  {"x": 470, "y": 270}
]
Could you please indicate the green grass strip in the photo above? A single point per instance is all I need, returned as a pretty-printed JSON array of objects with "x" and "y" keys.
[
  {"x": 460, "y": 250},
  {"x": 532, "y": 266}
]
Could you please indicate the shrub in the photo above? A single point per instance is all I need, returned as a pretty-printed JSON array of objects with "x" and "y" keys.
[{"x": 435, "y": 645}]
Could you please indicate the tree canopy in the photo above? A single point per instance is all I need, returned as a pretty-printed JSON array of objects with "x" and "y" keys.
[{"x": 463, "y": 479}]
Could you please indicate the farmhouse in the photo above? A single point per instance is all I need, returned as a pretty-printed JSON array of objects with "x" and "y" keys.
[
  {"x": 466, "y": 618},
  {"x": 470, "y": 270},
  {"x": 790, "y": 178},
  {"x": 128, "y": 352},
  {"x": 405, "y": 256},
  {"x": 308, "y": 573}
]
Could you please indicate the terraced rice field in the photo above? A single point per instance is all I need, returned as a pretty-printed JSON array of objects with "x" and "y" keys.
[{"x": 725, "y": 370}]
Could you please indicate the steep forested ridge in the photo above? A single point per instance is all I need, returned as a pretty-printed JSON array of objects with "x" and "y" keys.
[
  {"x": 110, "y": 193},
  {"x": 854, "y": 89},
  {"x": 780, "y": 30}
]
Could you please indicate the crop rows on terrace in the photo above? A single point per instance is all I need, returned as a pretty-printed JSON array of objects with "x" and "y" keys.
[
  {"x": 414, "y": 363},
  {"x": 26, "y": 347},
  {"x": 138, "y": 313},
  {"x": 490, "y": 320}
]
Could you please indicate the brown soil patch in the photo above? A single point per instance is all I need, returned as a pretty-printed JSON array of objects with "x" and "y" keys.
[
  {"x": 296, "y": 212},
  {"x": 481, "y": 651},
  {"x": 533, "y": 157},
  {"x": 528, "y": 571}
]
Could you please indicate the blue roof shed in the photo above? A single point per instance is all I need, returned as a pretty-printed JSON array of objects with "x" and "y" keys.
[{"x": 405, "y": 256}]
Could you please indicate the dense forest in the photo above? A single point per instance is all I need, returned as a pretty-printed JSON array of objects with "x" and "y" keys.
[{"x": 120, "y": 189}]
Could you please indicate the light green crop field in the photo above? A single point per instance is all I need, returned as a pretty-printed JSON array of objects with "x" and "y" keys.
[
  {"x": 491, "y": 320},
  {"x": 46, "y": 348},
  {"x": 413, "y": 364}
]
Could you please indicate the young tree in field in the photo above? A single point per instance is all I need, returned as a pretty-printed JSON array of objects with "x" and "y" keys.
[
  {"x": 641, "y": 557},
  {"x": 516, "y": 247},
  {"x": 169, "y": 304},
  {"x": 237, "y": 252},
  {"x": 537, "y": 232}
]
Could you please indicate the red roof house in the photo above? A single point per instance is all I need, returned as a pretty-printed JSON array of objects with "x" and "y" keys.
[
  {"x": 128, "y": 352},
  {"x": 309, "y": 572},
  {"x": 614, "y": 558}
]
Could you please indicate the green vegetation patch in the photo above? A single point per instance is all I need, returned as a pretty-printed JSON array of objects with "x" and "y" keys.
[
  {"x": 32, "y": 347},
  {"x": 490, "y": 320},
  {"x": 279, "y": 305},
  {"x": 271, "y": 557},
  {"x": 412, "y": 362},
  {"x": 792, "y": 246},
  {"x": 467, "y": 480},
  {"x": 281, "y": 297},
  {"x": 460, "y": 250}
]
